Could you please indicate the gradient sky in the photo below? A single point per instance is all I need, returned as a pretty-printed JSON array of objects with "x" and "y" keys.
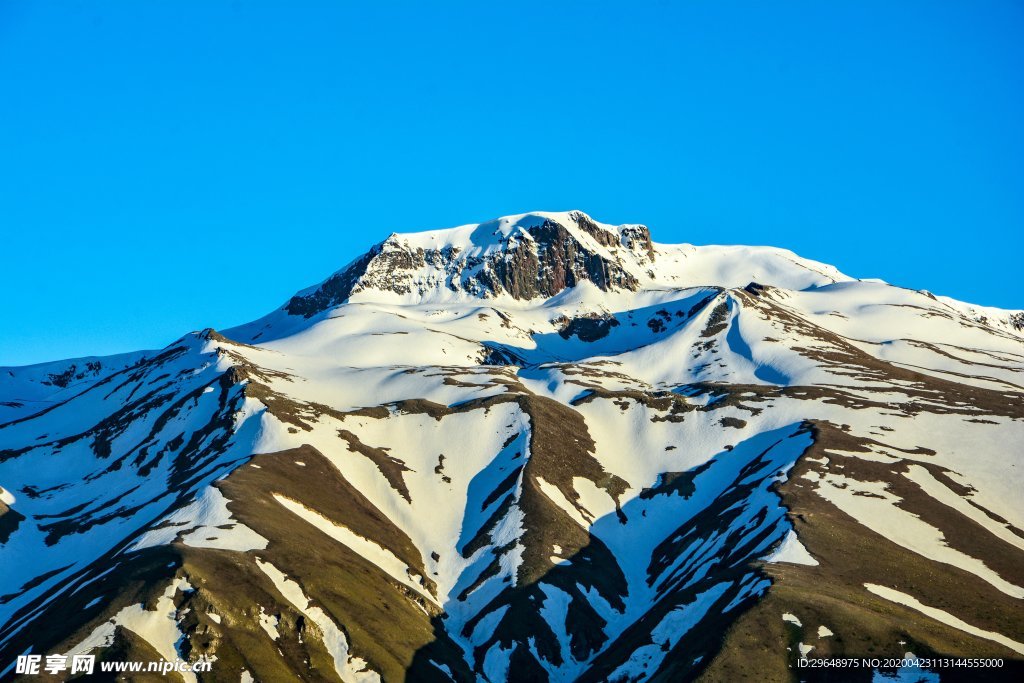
[{"x": 168, "y": 166}]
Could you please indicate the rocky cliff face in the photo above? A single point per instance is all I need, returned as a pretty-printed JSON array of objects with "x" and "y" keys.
[{"x": 539, "y": 259}]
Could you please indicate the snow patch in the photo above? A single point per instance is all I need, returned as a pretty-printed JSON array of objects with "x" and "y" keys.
[
  {"x": 666, "y": 634},
  {"x": 945, "y": 617},
  {"x": 198, "y": 525},
  {"x": 791, "y": 550},
  {"x": 159, "y": 627},
  {"x": 350, "y": 669},
  {"x": 874, "y": 506},
  {"x": 268, "y": 623}
]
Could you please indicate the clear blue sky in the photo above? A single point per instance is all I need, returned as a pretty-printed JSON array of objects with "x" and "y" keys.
[{"x": 167, "y": 166}]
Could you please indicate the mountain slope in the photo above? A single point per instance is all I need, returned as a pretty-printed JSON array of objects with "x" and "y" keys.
[{"x": 538, "y": 448}]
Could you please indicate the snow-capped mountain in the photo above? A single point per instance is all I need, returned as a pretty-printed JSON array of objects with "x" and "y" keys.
[{"x": 536, "y": 448}]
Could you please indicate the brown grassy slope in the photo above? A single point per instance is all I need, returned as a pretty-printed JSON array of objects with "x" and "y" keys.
[{"x": 833, "y": 594}]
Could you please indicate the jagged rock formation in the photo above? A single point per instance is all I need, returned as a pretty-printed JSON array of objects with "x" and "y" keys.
[
  {"x": 526, "y": 259},
  {"x": 538, "y": 448}
]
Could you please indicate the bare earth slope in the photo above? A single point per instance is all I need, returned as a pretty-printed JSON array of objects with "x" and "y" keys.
[{"x": 538, "y": 448}]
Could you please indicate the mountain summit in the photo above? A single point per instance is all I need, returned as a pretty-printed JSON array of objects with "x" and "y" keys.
[
  {"x": 535, "y": 256},
  {"x": 527, "y": 256},
  {"x": 535, "y": 448}
]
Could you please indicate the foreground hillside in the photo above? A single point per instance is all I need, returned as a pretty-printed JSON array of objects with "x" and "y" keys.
[{"x": 539, "y": 448}]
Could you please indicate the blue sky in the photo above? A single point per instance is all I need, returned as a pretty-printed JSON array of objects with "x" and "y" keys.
[{"x": 167, "y": 166}]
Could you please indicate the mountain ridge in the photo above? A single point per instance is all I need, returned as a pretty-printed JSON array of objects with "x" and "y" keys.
[{"x": 502, "y": 257}]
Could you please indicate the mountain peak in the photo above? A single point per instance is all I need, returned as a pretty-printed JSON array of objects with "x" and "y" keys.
[
  {"x": 499, "y": 231},
  {"x": 525, "y": 256}
]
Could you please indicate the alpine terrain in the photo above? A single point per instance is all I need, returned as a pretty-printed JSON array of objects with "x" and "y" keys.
[{"x": 539, "y": 448}]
